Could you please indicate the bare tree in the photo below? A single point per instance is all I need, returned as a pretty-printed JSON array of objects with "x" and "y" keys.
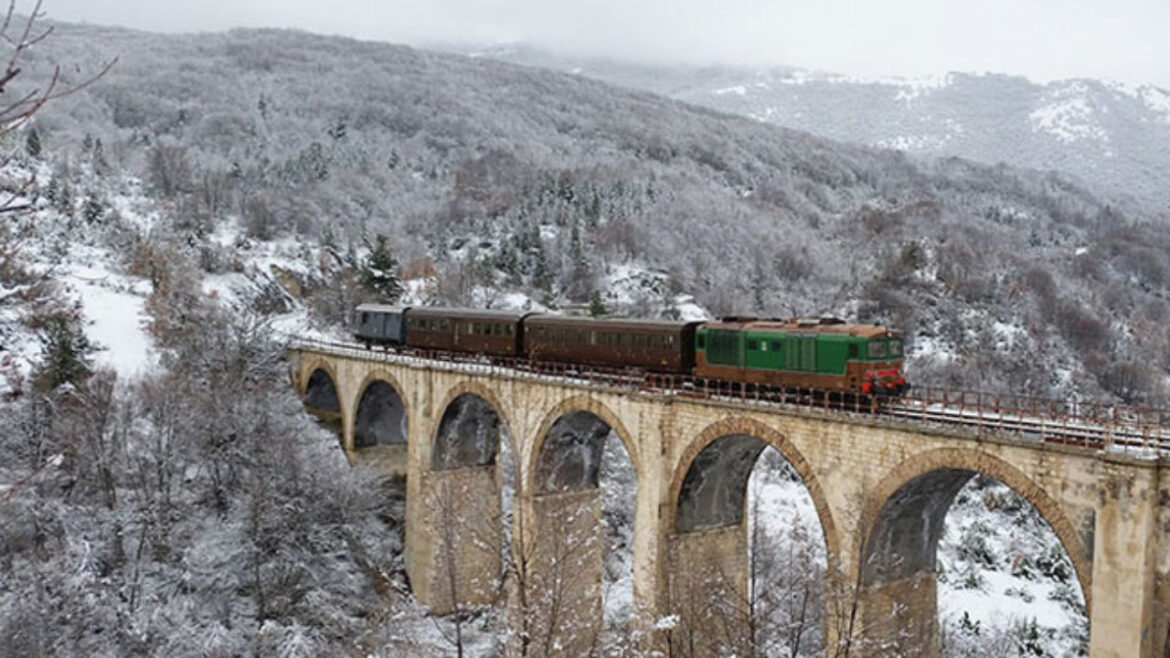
[{"x": 21, "y": 34}]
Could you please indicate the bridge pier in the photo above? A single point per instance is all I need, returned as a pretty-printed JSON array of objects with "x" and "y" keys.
[
  {"x": 899, "y": 618},
  {"x": 709, "y": 590},
  {"x": 1128, "y": 543},
  {"x": 557, "y": 562},
  {"x": 455, "y": 539}
]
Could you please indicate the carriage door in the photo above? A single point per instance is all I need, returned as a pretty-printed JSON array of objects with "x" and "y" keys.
[
  {"x": 800, "y": 353},
  {"x": 808, "y": 353}
]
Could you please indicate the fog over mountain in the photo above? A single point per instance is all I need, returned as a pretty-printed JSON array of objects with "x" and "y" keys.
[{"x": 1113, "y": 137}]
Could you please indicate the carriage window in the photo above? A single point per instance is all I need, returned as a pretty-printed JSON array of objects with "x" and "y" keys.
[
  {"x": 877, "y": 349},
  {"x": 509, "y": 329},
  {"x": 444, "y": 324},
  {"x": 365, "y": 318},
  {"x": 776, "y": 346},
  {"x": 895, "y": 348},
  {"x": 753, "y": 345},
  {"x": 853, "y": 351},
  {"x": 702, "y": 341}
]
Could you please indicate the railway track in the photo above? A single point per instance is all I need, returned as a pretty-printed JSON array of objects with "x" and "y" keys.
[{"x": 1102, "y": 427}]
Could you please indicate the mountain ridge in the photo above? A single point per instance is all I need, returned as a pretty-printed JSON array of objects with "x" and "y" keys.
[{"x": 1113, "y": 137}]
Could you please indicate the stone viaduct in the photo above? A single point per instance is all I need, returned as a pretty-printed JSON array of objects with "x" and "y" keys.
[{"x": 880, "y": 486}]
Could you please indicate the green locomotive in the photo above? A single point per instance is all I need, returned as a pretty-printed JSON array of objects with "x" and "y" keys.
[{"x": 819, "y": 353}]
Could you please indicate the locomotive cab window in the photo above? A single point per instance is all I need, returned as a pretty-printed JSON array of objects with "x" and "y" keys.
[
  {"x": 702, "y": 341},
  {"x": 877, "y": 349}
]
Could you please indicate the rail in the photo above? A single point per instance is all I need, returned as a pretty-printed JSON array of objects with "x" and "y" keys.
[{"x": 1096, "y": 426}]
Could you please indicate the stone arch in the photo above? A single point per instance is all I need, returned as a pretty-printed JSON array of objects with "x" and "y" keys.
[
  {"x": 941, "y": 473},
  {"x": 320, "y": 391},
  {"x": 582, "y": 474},
  {"x": 381, "y": 414},
  {"x": 311, "y": 366},
  {"x": 454, "y": 442},
  {"x": 764, "y": 436}
]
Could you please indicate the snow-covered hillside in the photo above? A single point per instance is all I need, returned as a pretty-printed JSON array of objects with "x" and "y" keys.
[{"x": 1114, "y": 137}]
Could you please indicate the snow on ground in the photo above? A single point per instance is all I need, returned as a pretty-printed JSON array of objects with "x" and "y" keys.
[
  {"x": 910, "y": 87},
  {"x": 112, "y": 304},
  {"x": 739, "y": 90},
  {"x": 1155, "y": 98},
  {"x": 1029, "y": 576},
  {"x": 783, "y": 501},
  {"x": 115, "y": 323},
  {"x": 1067, "y": 115}
]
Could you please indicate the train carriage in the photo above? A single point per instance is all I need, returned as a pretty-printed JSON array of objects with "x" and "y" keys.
[
  {"x": 495, "y": 333},
  {"x": 381, "y": 323},
  {"x": 648, "y": 344},
  {"x": 820, "y": 353}
]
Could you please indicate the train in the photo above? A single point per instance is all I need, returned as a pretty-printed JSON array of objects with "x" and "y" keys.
[{"x": 821, "y": 353}]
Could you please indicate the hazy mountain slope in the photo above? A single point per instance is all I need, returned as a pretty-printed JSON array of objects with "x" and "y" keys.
[
  {"x": 496, "y": 177},
  {"x": 1114, "y": 138}
]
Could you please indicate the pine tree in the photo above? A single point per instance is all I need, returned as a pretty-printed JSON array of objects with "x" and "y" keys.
[
  {"x": 580, "y": 277},
  {"x": 93, "y": 209},
  {"x": 508, "y": 262},
  {"x": 379, "y": 272},
  {"x": 32, "y": 143},
  {"x": 542, "y": 277},
  {"x": 65, "y": 200},
  {"x": 65, "y": 353},
  {"x": 596, "y": 306}
]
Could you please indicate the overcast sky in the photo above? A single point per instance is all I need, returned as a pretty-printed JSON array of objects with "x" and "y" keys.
[{"x": 1044, "y": 39}]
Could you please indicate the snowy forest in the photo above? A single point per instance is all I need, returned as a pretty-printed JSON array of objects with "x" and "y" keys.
[{"x": 176, "y": 206}]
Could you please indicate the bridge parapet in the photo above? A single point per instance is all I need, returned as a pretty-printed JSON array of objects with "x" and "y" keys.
[{"x": 1141, "y": 432}]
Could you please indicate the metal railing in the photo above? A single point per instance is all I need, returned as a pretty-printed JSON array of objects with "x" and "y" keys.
[{"x": 1087, "y": 425}]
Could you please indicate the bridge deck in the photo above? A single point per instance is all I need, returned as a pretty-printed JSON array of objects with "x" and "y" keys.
[{"x": 1085, "y": 426}]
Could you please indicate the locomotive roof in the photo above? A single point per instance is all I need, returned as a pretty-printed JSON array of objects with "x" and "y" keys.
[{"x": 799, "y": 326}]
